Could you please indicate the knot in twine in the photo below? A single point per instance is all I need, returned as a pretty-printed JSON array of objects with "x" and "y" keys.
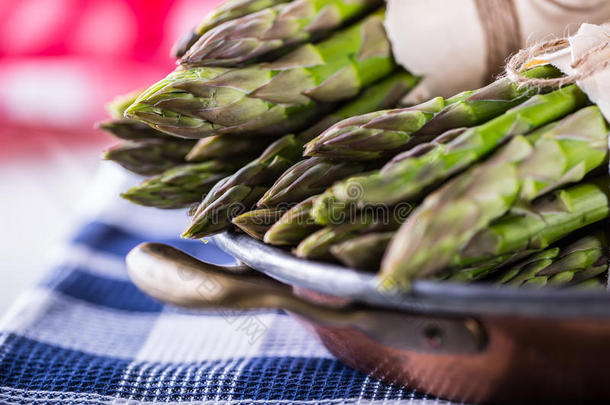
[{"x": 593, "y": 61}]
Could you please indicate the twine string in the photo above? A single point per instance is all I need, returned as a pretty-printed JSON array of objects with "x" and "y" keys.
[
  {"x": 590, "y": 63},
  {"x": 502, "y": 29}
]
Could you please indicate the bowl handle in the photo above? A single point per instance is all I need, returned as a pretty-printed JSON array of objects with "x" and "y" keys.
[{"x": 175, "y": 277}]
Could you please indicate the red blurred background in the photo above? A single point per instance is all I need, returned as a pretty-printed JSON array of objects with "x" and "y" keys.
[{"x": 61, "y": 60}]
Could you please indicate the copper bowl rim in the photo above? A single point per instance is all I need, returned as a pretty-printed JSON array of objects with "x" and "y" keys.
[{"x": 425, "y": 296}]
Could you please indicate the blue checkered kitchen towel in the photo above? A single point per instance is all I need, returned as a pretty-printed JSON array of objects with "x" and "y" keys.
[{"x": 87, "y": 335}]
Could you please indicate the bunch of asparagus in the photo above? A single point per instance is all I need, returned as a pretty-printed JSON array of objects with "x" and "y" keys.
[
  {"x": 342, "y": 67},
  {"x": 281, "y": 121}
]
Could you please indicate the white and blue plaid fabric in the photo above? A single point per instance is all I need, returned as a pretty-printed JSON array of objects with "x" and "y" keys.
[{"x": 87, "y": 335}]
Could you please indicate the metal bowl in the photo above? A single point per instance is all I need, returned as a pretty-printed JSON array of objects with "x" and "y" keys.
[{"x": 476, "y": 343}]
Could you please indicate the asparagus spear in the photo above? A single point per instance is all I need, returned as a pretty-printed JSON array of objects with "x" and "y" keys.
[
  {"x": 585, "y": 258},
  {"x": 130, "y": 130},
  {"x": 116, "y": 107},
  {"x": 257, "y": 222},
  {"x": 587, "y": 278},
  {"x": 411, "y": 172},
  {"x": 384, "y": 133},
  {"x": 528, "y": 268},
  {"x": 383, "y": 94},
  {"x": 521, "y": 171},
  {"x": 318, "y": 244},
  {"x": 550, "y": 218},
  {"x": 366, "y": 251},
  {"x": 598, "y": 283},
  {"x": 272, "y": 98},
  {"x": 124, "y": 128},
  {"x": 214, "y": 147},
  {"x": 535, "y": 261},
  {"x": 218, "y": 214},
  {"x": 521, "y": 233},
  {"x": 312, "y": 176},
  {"x": 273, "y": 29},
  {"x": 472, "y": 108},
  {"x": 260, "y": 173},
  {"x": 227, "y": 11},
  {"x": 362, "y": 252},
  {"x": 180, "y": 186},
  {"x": 293, "y": 226},
  {"x": 478, "y": 272},
  {"x": 150, "y": 156},
  {"x": 306, "y": 178},
  {"x": 369, "y": 136},
  {"x": 285, "y": 151}
]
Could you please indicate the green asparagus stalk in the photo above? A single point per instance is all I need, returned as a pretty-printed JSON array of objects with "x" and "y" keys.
[
  {"x": 472, "y": 108},
  {"x": 312, "y": 176},
  {"x": 588, "y": 278},
  {"x": 521, "y": 171},
  {"x": 598, "y": 283},
  {"x": 306, "y": 178},
  {"x": 528, "y": 268},
  {"x": 530, "y": 262},
  {"x": 548, "y": 220},
  {"x": 318, "y": 244},
  {"x": 150, "y": 156},
  {"x": 384, "y": 133},
  {"x": 264, "y": 170},
  {"x": 522, "y": 233},
  {"x": 413, "y": 171},
  {"x": 218, "y": 214},
  {"x": 292, "y": 227},
  {"x": 227, "y": 11},
  {"x": 367, "y": 137},
  {"x": 366, "y": 251},
  {"x": 260, "y": 173},
  {"x": 124, "y": 128},
  {"x": 478, "y": 272},
  {"x": 257, "y": 222},
  {"x": 272, "y": 30},
  {"x": 180, "y": 186},
  {"x": 362, "y": 252},
  {"x": 218, "y": 147},
  {"x": 383, "y": 94},
  {"x": 583, "y": 259},
  {"x": 116, "y": 108},
  {"x": 130, "y": 130},
  {"x": 505, "y": 242},
  {"x": 272, "y": 98}
]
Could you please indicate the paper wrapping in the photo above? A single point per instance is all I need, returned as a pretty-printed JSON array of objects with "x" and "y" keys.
[
  {"x": 588, "y": 39},
  {"x": 447, "y": 42}
]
